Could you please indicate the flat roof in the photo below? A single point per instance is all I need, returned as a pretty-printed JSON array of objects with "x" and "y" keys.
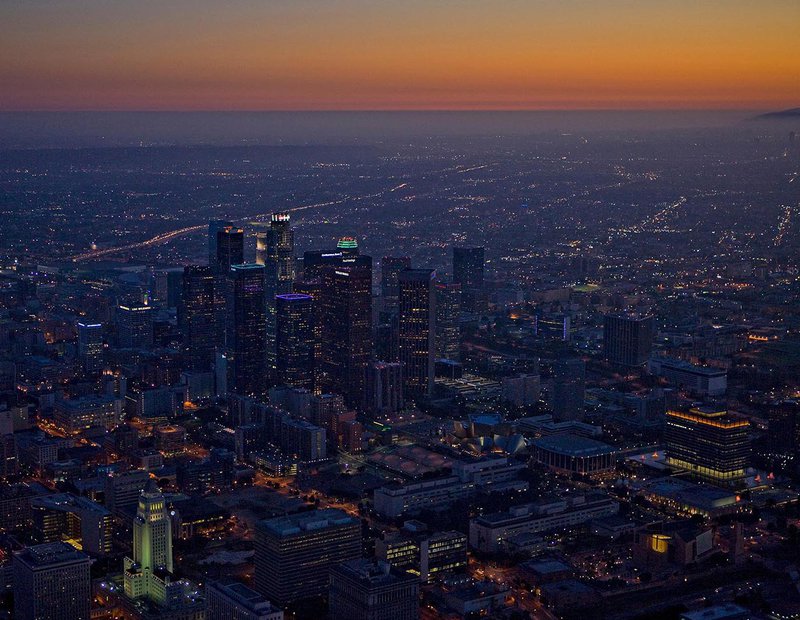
[
  {"x": 291, "y": 525},
  {"x": 573, "y": 445}
]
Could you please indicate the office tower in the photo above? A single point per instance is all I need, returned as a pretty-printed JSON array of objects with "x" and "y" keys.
[
  {"x": 152, "y": 548},
  {"x": 63, "y": 516},
  {"x": 421, "y": 552},
  {"x": 348, "y": 246},
  {"x": 135, "y": 326},
  {"x": 387, "y": 345},
  {"x": 304, "y": 441},
  {"x": 468, "y": 267},
  {"x": 198, "y": 318},
  {"x": 522, "y": 390},
  {"x": 90, "y": 346},
  {"x": 246, "y": 335},
  {"x": 295, "y": 344},
  {"x": 383, "y": 395},
  {"x": 230, "y": 249},
  {"x": 324, "y": 407},
  {"x": 448, "y": 309},
  {"x": 235, "y": 601},
  {"x": 214, "y": 226},
  {"x": 628, "y": 339},
  {"x": 784, "y": 430},
  {"x": 294, "y": 554},
  {"x": 568, "y": 389},
  {"x": 417, "y": 319},
  {"x": 391, "y": 266},
  {"x": 346, "y": 334},
  {"x": 370, "y": 590},
  {"x": 51, "y": 582},
  {"x": 315, "y": 261},
  {"x": 708, "y": 442},
  {"x": 81, "y": 414},
  {"x": 275, "y": 250},
  {"x": 122, "y": 490}
]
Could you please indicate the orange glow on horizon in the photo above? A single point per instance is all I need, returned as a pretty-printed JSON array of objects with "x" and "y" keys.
[{"x": 357, "y": 55}]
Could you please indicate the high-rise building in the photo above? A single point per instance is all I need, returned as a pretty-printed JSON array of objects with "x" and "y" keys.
[
  {"x": 628, "y": 339},
  {"x": 90, "y": 346},
  {"x": 709, "y": 443},
  {"x": 275, "y": 250},
  {"x": 63, "y": 516},
  {"x": 383, "y": 395},
  {"x": 346, "y": 331},
  {"x": 294, "y": 554},
  {"x": 214, "y": 226},
  {"x": 295, "y": 342},
  {"x": 135, "y": 326},
  {"x": 448, "y": 309},
  {"x": 230, "y": 249},
  {"x": 417, "y": 319},
  {"x": 198, "y": 317},
  {"x": 468, "y": 266},
  {"x": 51, "y": 582},
  {"x": 391, "y": 266},
  {"x": 148, "y": 573},
  {"x": 246, "y": 333},
  {"x": 369, "y": 590},
  {"x": 235, "y": 601},
  {"x": 568, "y": 389},
  {"x": 122, "y": 490},
  {"x": 423, "y": 553}
]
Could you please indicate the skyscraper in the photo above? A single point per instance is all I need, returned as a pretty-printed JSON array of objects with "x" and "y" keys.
[
  {"x": 417, "y": 319},
  {"x": 246, "y": 334},
  {"x": 235, "y": 601},
  {"x": 135, "y": 326},
  {"x": 373, "y": 590},
  {"x": 384, "y": 390},
  {"x": 90, "y": 346},
  {"x": 391, "y": 266},
  {"x": 147, "y": 572},
  {"x": 294, "y": 554},
  {"x": 468, "y": 265},
  {"x": 708, "y": 442},
  {"x": 448, "y": 309},
  {"x": 295, "y": 340},
  {"x": 568, "y": 389},
  {"x": 198, "y": 318},
  {"x": 628, "y": 338},
  {"x": 51, "y": 582},
  {"x": 275, "y": 250},
  {"x": 346, "y": 331},
  {"x": 230, "y": 248},
  {"x": 214, "y": 226}
]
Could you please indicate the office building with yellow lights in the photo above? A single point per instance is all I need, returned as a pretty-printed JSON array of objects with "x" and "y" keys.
[{"x": 709, "y": 443}]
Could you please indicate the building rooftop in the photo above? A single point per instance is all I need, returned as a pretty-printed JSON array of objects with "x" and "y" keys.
[
  {"x": 292, "y": 525},
  {"x": 50, "y": 554},
  {"x": 573, "y": 445}
]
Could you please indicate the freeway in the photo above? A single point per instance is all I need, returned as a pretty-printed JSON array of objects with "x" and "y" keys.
[{"x": 166, "y": 237}]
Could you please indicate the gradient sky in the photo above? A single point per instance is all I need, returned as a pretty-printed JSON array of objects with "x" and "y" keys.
[{"x": 398, "y": 54}]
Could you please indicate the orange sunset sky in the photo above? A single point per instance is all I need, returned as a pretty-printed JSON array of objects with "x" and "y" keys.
[{"x": 398, "y": 54}]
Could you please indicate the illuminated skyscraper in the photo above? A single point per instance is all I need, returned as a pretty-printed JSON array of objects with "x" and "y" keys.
[
  {"x": 391, "y": 266},
  {"x": 275, "y": 250},
  {"x": 246, "y": 336},
  {"x": 90, "y": 346},
  {"x": 628, "y": 339},
  {"x": 448, "y": 309},
  {"x": 708, "y": 442},
  {"x": 294, "y": 554},
  {"x": 230, "y": 248},
  {"x": 417, "y": 319},
  {"x": 214, "y": 226},
  {"x": 51, "y": 582},
  {"x": 198, "y": 319},
  {"x": 148, "y": 573},
  {"x": 295, "y": 340},
  {"x": 346, "y": 331},
  {"x": 135, "y": 326}
]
